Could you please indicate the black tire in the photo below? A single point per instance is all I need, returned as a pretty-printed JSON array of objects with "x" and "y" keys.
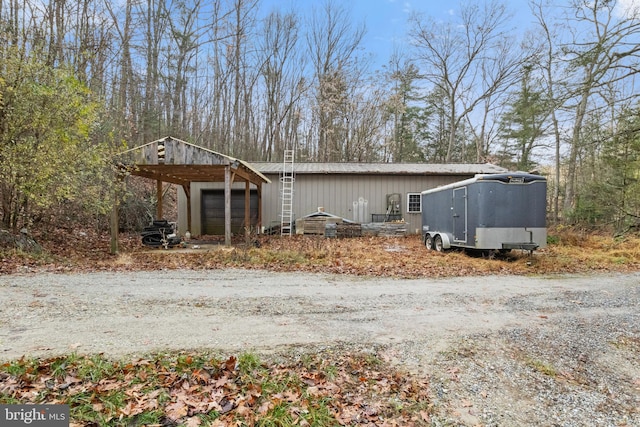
[
  {"x": 437, "y": 243},
  {"x": 428, "y": 242}
]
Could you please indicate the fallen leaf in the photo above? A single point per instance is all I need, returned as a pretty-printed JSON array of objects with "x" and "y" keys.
[
  {"x": 193, "y": 422},
  {"x": 176, "y": 410},
  {"x": 265, "y": 407}
]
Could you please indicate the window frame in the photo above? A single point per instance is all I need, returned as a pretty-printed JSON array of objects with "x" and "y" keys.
[{"x": 409, "y": 203}]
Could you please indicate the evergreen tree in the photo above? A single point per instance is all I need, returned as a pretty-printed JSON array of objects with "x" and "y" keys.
[
  {"x": 524, "y": 123},
  {"x": 619, "y": 193},
  {"x": 409, "y": 116}
]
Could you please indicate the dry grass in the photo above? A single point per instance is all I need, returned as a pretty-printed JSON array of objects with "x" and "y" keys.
[{"x": 569, "y": 251}]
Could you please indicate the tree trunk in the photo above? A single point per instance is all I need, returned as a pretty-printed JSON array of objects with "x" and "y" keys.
[{"x": 569, "y": 200}]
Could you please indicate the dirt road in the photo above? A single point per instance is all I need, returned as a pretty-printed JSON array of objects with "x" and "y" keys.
[
  {"x": 236, "y": 309},
  {"x": 487, "y": 342}
]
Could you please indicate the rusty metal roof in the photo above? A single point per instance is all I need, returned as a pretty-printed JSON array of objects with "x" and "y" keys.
[{"x": 382, "y": 168}]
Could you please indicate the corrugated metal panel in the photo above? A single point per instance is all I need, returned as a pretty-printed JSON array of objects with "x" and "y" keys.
[
  {"x": 336, "y": 186},
  {"x": 336, "y": 194},
  {"x": 382, "y": 168}
]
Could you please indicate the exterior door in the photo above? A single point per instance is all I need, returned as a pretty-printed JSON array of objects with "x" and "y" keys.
[
  {"x": 460, "y": 214},
  {"x": 213, "y": 211}
]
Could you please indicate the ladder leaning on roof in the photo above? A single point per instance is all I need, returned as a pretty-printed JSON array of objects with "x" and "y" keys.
[{"x": 286, "y": 181}]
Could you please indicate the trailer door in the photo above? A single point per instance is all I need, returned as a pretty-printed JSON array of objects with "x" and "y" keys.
[{"x": 460, "y": 214}]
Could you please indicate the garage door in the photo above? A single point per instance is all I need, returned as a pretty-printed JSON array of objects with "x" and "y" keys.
[{"x": 213, "y": 211}]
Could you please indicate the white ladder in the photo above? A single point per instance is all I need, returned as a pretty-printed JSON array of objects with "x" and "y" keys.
[{"x": 286, "y": 180}]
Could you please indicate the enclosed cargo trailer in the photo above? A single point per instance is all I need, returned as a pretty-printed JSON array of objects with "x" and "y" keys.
[{"x": 488, "y": 212}]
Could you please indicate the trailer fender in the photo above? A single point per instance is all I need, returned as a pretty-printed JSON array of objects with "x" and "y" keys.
[{"x": 446, "y": 243}]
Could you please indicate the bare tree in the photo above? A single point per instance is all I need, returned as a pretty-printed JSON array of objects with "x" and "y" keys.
[
  {"x": 283, "y": 83},
  {"x": 332, "y": 43},
  {"x": 609, "y": 53},
  {"x": 121, "y": 99},
  {"x": 469, "y": 62},
  {"x": 152, "y": 14},
  {"x": 365, "y": 122},
  {"x": 184, "y": 42},
  {"x": 549, "y": 64}
]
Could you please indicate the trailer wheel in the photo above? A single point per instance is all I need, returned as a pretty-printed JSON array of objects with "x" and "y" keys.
[
  {"x": 428, "y": 242},
  {"x": 437, "y": 243}
]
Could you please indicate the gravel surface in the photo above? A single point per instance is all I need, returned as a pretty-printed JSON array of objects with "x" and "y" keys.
[{"x": 498, "y": 350}]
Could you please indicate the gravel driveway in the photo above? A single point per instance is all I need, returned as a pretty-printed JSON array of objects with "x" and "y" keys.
[{"x": 499, "y": 350}]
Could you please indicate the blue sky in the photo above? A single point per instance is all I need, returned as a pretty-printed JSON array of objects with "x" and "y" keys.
[{"x": 386, "y": 20}]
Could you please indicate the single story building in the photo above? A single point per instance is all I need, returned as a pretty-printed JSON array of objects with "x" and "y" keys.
[{"x": 360, "y": 192}]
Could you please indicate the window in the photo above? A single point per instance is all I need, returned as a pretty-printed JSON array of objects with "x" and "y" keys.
[{"x": 414, "y": 203}]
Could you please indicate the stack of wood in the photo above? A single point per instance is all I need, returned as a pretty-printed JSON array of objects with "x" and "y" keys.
[
  {"x": 393, "y": 229},
  {"x": 315, "y": 225},
  {"x": 342, "y": 230},
  {"x": 331, "y": 230},
  {"x": 348, "y": 230},
  {"x": 385, "y": 229},
  {"x": 310, "y": 225}
]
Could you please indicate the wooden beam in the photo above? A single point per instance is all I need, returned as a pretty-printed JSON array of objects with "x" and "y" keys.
[
  {"x": 145, "y": 173},
  {"x": 184, "y": 174},
  {"x": 227, "y": 205},
  {"x": 159, "y": 198}
]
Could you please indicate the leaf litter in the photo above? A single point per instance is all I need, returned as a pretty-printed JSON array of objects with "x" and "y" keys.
[
  {"x": 199, "y": 389},
  {"x": 335, "y": 388},
  {"x": 405, "y": 256}
]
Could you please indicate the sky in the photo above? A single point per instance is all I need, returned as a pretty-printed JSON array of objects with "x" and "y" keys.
[{"x": 386, "y": 20}]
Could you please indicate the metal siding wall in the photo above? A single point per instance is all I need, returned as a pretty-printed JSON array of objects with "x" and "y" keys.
[
  {"x": 336, "y": 193},
  {"x": 271, "y": 204}
]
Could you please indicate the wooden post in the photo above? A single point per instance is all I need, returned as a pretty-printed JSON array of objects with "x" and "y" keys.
[
  {"x": 247, "y": 209},
  {"x": 159, "y": 198},
  {"x": 259, "y": 224},
  {"x": 187, "y": 192},
  {"x": 227, "y": 205}
]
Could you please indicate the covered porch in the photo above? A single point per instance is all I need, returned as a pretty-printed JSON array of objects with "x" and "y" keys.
[{"x": 178, "y": 162}]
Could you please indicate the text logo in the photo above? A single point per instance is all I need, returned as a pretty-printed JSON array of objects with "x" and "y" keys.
[{"x": 34, "y": 415}]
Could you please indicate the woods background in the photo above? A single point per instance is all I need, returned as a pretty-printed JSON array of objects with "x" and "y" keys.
[{"x": 81, "y": 80}]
